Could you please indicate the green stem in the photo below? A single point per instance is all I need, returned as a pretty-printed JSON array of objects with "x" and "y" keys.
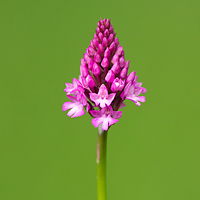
[{"x": 101, "y": 164}]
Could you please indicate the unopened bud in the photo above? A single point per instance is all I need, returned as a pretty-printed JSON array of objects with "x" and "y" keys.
[
  {"x": 116, "y": 68},
  {"x": 115, "y": 58},
  {"x": 110, "y": 77},
  {"x": 130, "y": 77},
  {"x": 96, "y": 69},
  {"x": 90, "y": 81},
  {"x": 105, "y": 62},
  {"x": 97, "y": 57}
]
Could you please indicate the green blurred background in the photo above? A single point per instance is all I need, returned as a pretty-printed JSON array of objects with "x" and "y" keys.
[{"x": 153, "y": 151}]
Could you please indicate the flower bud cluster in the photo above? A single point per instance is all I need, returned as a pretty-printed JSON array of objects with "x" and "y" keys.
[{"x": 104, "y": 82}]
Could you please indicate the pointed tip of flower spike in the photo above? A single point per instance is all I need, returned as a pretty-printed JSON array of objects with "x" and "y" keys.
[{"x": 107, "y": 24}]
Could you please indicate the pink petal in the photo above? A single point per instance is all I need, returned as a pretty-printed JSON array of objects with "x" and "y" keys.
[
  {"x": 103, "y": 92},
  {"x": 136, "y": 99},
  {"x": 103, "y": 102},
  {"x": 69, "y": 87},
  {"x": 131, "y": 89},
  {"x": 76, "y": 82},
  {"x": 122, "y": 105},
  {"x": 76, "y": 111},
  {"x": 143, "y": 90},
  {"x": 137, "y": 92},
  {"x": 96, "y": 113},
  {"x": 72, "y": 98},
  {"x": 94, "y": 97},
  {"x": 141, "y": 98},
  {"x": 105, "y": 124},
  {"x": 110, "y": 98},
  {"x": 72, "y": 111},
  {"x": 112, "y": 121},
  {"x": 138, "y": 84},
  {"x": 138, "y": 103},
  {"x": 87, "y": 107},
  {"x": 79, "y": 112},
  {"x": 97, "y": 121},
  {"x": 126, "y": 90},
  {"x": 67, "y": 105},
  {"x": 117, "y": 114}
]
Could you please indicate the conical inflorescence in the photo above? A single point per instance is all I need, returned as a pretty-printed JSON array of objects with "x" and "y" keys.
[{"x": 104, "y": 82}]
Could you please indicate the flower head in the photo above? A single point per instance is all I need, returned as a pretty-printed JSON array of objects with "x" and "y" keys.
[{"x": 104, "y": 82}]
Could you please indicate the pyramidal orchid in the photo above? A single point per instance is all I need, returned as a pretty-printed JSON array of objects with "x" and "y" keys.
[{"x": 101, "y": 89}]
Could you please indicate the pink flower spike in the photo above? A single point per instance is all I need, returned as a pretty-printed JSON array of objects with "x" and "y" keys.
[
  {"x": 106, "y": 117},
  {"x": 102, "y": 98}
]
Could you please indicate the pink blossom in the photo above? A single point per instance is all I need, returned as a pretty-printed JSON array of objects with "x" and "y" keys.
[
  {"x": 106, "y": 116},
  {"x": 104, "y": 82},
  {"x": 76, "y": 106},
  {"x": 132, "y": 93},
  {"x": 117, "y": 85},
  {"x": 102, "y": 98},
  {"x": 70, "y": 88}
]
